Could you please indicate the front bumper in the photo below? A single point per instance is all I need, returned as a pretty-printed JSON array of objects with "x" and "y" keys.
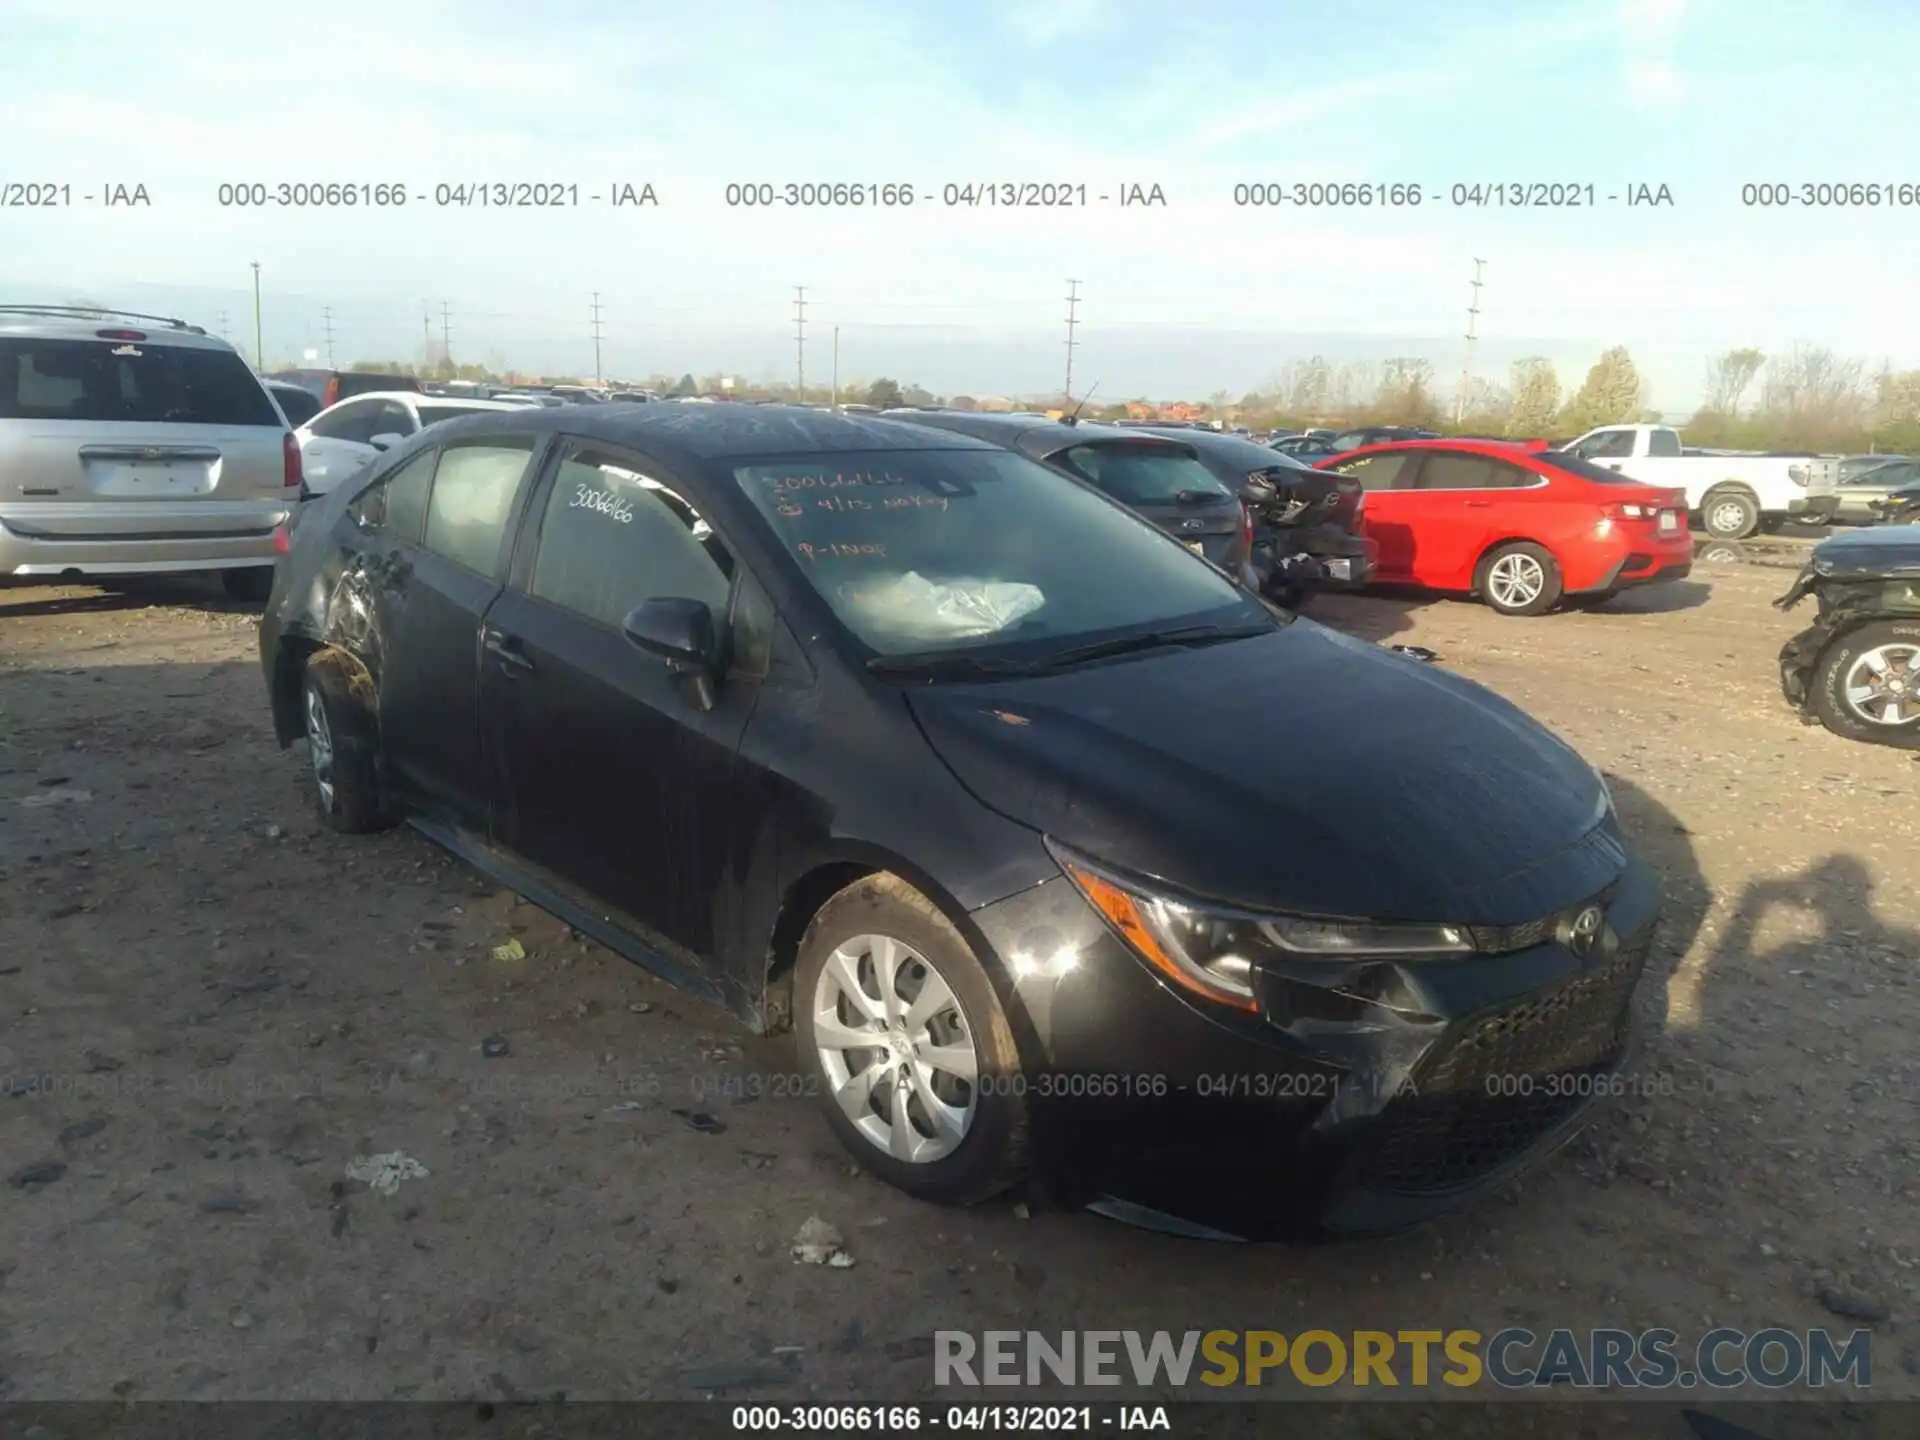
[
  {"x": 138, "y": 539},
  {"x": 1323, "y": 1115},
  {"x": 1814, "y": 509}
]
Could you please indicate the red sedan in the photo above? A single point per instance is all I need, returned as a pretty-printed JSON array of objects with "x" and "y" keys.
[{"x": 1521, "y": 528}]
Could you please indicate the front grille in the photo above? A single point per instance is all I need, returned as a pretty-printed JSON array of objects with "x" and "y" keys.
[
  {"x": 1504, "y": 1080},
  {"x": 1504, "y": 939}
]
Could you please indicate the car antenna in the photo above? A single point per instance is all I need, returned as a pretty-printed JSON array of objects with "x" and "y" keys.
[{"x": 1074, "y": 419}]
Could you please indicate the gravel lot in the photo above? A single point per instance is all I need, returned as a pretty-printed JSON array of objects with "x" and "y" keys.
[{"x": 209, "y": 1006}]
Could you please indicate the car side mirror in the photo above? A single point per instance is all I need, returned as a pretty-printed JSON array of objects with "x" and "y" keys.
[
  {"x": 386, "y": 440},
  {"x": 681, "y": 632}
]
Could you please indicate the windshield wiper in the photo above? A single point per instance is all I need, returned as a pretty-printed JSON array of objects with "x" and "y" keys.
[
  {"x": 1200, "y": 497},
  {"x": 935, "y": 664},
  {"x": 1130, "y": 644}
]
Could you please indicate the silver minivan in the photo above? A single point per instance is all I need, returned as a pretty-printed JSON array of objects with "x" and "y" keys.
[{"x": 131, "y": 445}]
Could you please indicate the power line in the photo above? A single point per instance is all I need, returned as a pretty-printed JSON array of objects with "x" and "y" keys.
[
  {"x": 596, "y": 339},
  {"x": 800, "y": 344},
  {"x": 1473, "y": 333},
  {"x": 1073, "y": 306}
]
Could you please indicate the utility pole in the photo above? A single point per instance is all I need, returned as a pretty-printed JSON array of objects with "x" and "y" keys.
[
  {"x": 1073, "y": 306},
  {"x": 326, "y": 319},
  {"x": 800, "y": 344},
  {"x": 596, "y": 338},
  {"x": 1473, "y": 333},
  {"x": 446, "y": 336},
  {"x": 426, "y": 336},
  {"x": 259, "y": 350},
  {"x": 223, "y": 324},
  {"x": 836, "y": 367}
]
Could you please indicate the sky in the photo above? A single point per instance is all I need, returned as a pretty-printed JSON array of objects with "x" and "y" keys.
[{"x": 1183, "y": 299}]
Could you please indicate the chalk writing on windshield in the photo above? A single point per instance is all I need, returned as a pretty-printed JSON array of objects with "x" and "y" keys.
[
  {"x": 839, "y": 480},
  {"x": 839, "y": 551},
  {"x": 793, "y": 508}
]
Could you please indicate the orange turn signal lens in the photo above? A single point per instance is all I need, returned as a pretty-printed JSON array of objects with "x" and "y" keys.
[{"x": 1122, "y": 911}]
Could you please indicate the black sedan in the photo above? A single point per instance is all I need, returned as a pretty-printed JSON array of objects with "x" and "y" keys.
[
  {"x": 1157, "y": 475},
  {"x": 1061, "y": 856}
]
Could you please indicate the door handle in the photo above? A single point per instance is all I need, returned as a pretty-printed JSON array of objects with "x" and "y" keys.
[
  {"x": 507, "y": 652},
  {"x": 1479, "y": 504}
]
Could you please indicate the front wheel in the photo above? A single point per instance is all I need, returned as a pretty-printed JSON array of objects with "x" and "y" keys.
[
  {"x": 1868, "y": 684},
  {"x": 899, "y": 1026},
  {"x": 1520, "y": 579},
  {"x": 1730, "y": 514},
  {"x": 343, "y": 747}
]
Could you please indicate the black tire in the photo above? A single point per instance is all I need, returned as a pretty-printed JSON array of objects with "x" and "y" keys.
[
  {"x": 1487, "y": 585},
  {"x": 1828, "y": 689},
  {"x": 253, "y": 583},
  {"x": 349, "y": 795},
  {"x": 992, "y": 1155},
  {"x": 1730, "y": 513}
]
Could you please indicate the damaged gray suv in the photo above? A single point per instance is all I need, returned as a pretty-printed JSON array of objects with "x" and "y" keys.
[{"x": 133, "y": 444}]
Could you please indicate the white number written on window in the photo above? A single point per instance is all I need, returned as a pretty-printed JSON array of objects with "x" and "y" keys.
[{"x": 612, "y": 506}]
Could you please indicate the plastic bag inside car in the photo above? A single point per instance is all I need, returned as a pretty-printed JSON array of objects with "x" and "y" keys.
[{"x": 911, "y": 604}]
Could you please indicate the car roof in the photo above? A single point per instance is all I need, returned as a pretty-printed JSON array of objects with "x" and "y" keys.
[
  {"x": 1033, "y": 435},
  {"x": 696, "y": 434},
  {"x": 29, "y": 322},
  {"x": 1234, "y": 449},
  {"x": 417, "y": 397}
]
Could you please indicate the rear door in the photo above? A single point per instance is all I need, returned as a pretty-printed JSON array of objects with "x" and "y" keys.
[
  {"x": 609, "y": 773},
  {"x": 89, "y": 427},
  {"x": 1460, "y": 502},
  {"x": 445, "y": 569},
  {"x": 1388, "y": 506}
]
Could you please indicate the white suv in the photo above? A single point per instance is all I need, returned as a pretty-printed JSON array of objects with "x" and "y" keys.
[
  {"x": 344, "y": 439},
  {"x": 132, "y": 444}
]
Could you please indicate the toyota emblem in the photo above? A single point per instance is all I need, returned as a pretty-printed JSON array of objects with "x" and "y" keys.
[{"x": 1582, "y": 933}]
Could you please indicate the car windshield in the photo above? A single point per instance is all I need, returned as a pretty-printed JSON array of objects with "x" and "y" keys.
[
  {"x": 105, "y": 380},
  {"x": 981, "y": 550},
  {"x": 1573, "y": 465},
  {"x": 1136, "y": 474}
]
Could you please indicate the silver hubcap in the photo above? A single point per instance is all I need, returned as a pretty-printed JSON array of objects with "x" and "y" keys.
[
  {"x": 1883, "y": 685},
  {"x": 320, "y": 746},
  {"x": 1516, "y": 580},
  {"x": 895, "y": 1047},
  {"x": 1727, "y": 518}
]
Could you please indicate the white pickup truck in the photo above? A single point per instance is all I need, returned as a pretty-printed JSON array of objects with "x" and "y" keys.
[{"x": 1733, "y": 494}]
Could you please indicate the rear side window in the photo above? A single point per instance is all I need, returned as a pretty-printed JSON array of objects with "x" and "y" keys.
[
  {"x": 1452, "y": 470},
  {"x": 1140, "y": 475},
  {"x": 473, "y": 491},
  {"x": 613, "y": 537},
  {"x": 1585, "y": 469},
  {"x": 1375, "y": 472},
  {"x": 298, "y": 405},
  {"x": 103, "y": 381},
  {"x": 1663, "y": 443}
]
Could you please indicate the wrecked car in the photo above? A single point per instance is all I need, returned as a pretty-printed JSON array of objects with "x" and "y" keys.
[
  {"x": 1856, "y": 669},
  {"x": 967, "y": 776}
]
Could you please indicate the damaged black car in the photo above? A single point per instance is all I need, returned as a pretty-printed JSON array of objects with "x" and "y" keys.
[
  {"x": 1064, "y": 860},
  {"x": 1856, "y": 669}
]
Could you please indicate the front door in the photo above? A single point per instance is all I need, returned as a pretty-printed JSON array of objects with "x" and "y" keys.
[
  {"x": 1458, "y": 500},
  {"x": 608, "y": 771}
]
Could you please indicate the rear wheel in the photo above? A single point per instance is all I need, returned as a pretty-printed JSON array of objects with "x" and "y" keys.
[
  {"x": 1520, "y": 578},
  {"x": 343, "y": 747},
  {"x": 254, "y": 582},
  {"x": 1868, "y": 684},
  {"x": 1730, "y": 514},
  {"x": 900, "y": 1027}
]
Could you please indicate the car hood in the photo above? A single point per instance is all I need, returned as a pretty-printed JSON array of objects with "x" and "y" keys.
[
  {"x": 1889, "y": 552},
  {"x": 1301, "y": 771}
]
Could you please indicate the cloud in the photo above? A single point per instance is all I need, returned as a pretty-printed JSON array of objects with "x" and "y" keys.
[
  {"x": 1650, "y": 32},
  {"x": 1044, "y": 21}
]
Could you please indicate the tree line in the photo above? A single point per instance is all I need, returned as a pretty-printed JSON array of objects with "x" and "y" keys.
[{"x": 1808, "y": 398}]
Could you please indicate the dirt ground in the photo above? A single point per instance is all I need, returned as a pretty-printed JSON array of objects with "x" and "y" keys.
[{"x": 209, "y": 1006}]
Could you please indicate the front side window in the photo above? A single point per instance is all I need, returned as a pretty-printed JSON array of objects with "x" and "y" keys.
[
  {"x": 353, "y": 421},
  {"x": 1607, "y": 445},
  {"x": 390, "y": 417},
  {"x": 1375, "y": 472},
  {"x": 473, "y": 491},
  {"x": 976, "y": 549},
  {"x": 613, "y": 537}
]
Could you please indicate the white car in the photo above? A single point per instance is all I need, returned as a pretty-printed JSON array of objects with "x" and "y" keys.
[
  {"x": 344, "y": 439},
  {"x": 1734, "y": 494}
]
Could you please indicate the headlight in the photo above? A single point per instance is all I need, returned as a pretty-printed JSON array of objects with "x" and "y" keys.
[{"x": 1211, "y": 950}]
